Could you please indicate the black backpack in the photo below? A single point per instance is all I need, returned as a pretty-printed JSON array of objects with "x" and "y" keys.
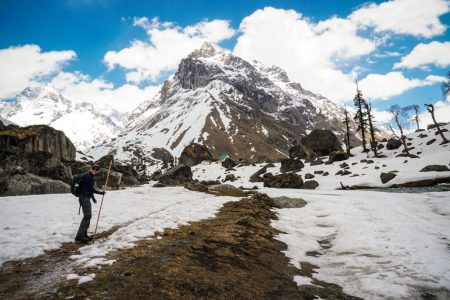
[{"x": 75, "y": 187}]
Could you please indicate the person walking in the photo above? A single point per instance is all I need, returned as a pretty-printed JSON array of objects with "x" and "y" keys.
[{"x": 88, "y": 189}]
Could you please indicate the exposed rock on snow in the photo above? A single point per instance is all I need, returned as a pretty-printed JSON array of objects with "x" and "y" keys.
[
  {"x": 177, "y": 175},
  {"x": 285, "y": 181},
  {"x": 393, "y": 144},
  {"x": 290, "y": 165},
  {"x": 321, "y": 142},
  {"x": 435, "y": 168},
  {"x": 386, "y": 177},
  {"x": 194, "y": 154}
]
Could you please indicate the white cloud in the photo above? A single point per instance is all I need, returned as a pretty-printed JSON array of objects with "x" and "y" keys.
[
  {"x": 27, "y": 65},
  {"x": 414, "y": 17},
  {"x": 308, "y": 52},
  {"x": 167, "y": 45},
  {"x": 80, "y": 88},
  {"x": 434, "y": 53},
  {"x": 384, "y": 86}
]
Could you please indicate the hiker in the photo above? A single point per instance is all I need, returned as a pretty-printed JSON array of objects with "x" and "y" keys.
[{"x": 87, "y": 192}]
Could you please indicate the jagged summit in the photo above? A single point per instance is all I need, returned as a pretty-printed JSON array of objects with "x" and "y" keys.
[
  {"x": 230, "y": 105},
  {"x": 206, "y": 50}
]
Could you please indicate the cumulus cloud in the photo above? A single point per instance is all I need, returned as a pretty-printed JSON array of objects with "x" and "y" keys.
[
  {"x": 414, "y": 17},
  {"x": 167, "y": 44},
  {"x": 309, "y": 52},
  {"x": 384, "y": 86},
  {"x": 434, "y": 53},
  {"x": 27, "y": 65},
  {"x": 81, "y": 88}
]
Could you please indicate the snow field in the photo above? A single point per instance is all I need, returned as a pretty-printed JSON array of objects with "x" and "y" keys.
[{"x": 32, "y": 224}]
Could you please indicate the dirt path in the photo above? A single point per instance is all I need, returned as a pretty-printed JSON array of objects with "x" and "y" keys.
[{"x": 232, "y": 256}]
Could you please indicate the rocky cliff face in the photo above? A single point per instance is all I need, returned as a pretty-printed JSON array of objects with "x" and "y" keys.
[{"x": 228, "y": 104}]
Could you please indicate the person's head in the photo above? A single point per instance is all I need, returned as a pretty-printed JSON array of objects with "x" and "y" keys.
[{"x": 94, "y": 169}]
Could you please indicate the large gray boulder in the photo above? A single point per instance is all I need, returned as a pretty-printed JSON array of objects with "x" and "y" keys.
[
  {"x": 288, "y": 180},
  {"x": 194, "y": 154},
  {"x": 393, "y": 144},
  {"x": 177, "y": 175},
  {"x": 386, "y": 177},
  {"x": 291, "y": 165},
  {"x": 19, "y": 182},
  {"x": 322, "y": 142}
]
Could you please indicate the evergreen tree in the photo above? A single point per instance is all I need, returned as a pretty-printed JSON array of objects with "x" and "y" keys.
[
  {"x": 373, "y": 142},
  {"x": 360, "y": 116}
]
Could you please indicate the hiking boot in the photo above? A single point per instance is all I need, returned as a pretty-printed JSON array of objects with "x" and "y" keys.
[{"x": 82, "y": 239}]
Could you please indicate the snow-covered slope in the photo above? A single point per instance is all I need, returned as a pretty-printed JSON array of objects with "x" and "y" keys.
[
  {"x": 365, "y": 169},
  {"x": 84, "y": 123},
  {"x": 230, "y": 105}
]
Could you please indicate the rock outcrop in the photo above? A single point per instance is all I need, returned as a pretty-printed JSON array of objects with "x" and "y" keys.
[
  {"x": 177, "y": 175},
  {"x": 291, "y": 165},
  {"x": 393, "y": 144},
  {"x": 288, "y": 180}
]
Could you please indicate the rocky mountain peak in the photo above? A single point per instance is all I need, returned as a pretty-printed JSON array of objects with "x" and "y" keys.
[{"x": 206, "y": 50}]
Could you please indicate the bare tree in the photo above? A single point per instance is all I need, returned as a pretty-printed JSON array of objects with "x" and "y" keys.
[
  {"x": 416, "y": 109},
  {"x": 373, "y": 142},
  {"x": 347, "y": 128},
  {"x": 430, "y": 109},
  {"x": 399, "y": 120}
]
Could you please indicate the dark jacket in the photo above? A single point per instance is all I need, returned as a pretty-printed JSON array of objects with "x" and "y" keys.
[{"x": 88, "y": 186}]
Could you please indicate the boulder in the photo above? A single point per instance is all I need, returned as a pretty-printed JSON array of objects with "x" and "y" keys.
[
  {"x": 322, "y": 142},
  {"x": 226, "y": 190},
  {"x": 310, "y": 185},
  {"x": 435, "y": 168},
  {"x": 431, "y": 141},
  {"x": 256, "y": 177},
  {"x": 230, "y": 177},
  {"x": 338, "y": 156},
  {"x": 194, "y": 154},
  {"x": 316, "y": 162},
  {"x": 287, "y": 180},
  {"x": 196, "y": 186},
  {"x": 393, "y": 144},
  {"x": 291, "y": 165},
  {"x": 162, "y": 154},
  {"x": 59, "y": 172},
  {"x": 177, "y": 175},
  {"x": 104, "y": 161},
  {"x": 22, "y": 183},
  {"x": 34, "y": 147},
  {"x": 310, "y": 176},
  {"x": 286, "y": 202},
  {"x": 228, "y": 163},
  {"x": 386, "y": 177},
  {"x": 297, "y": 152},
  {"x": 114, "y": 179}
]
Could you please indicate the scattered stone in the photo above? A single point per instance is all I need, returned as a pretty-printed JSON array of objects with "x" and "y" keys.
[
  {"x": 291, "y": 165},
  {"x": 440, "y": 131},
  {"x": 325, "y": 174},
  {"x": 310, "y": 185},
  {"x": 228, "y": 163},
  {"x": 287, "y": 180},
  {"x": 226, "y": 190},
  {"x": 432, "y": 126},
  {"x": 159, "y": 184},
  {"x": 363, "y": 160},
  {"x": 386, "y": 177},
  {"x": 431, "y": 141},
  {"x": 297, "y": 152},
  {"x": 230, "y": 177},
  {"x": 309, "y": 176},
  {"x": 338, "y": 156},
  {"x": 354, "y": 175},
  {"x": 380, "y": 146},
  {"x": 393, "y": 144},
  {"x": 344, "y": 165},
  {"x": 343, "y": 172},
  {"x": 286, "y": 202},
  {"x": 377, "y": 167},
  {"x": 318, "y": 172},
  {"x": 316, "y": 162},
  {"x": 435, "y": 168},
  {"x": 354, "y": 163},
  {"x": 423, "y": 135},
  {"x": 370, "y": 161},
  {"x": 196, "y": 186},
  {"x": 256, "y": 176}
]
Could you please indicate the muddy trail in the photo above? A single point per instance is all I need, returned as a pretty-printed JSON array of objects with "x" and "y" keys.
[{"x": 232, "y": 256}]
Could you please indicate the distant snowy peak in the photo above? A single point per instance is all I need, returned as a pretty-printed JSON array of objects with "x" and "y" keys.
[
  {"x": 84, "y": 123},
  {"x": 227, "y": 103}
]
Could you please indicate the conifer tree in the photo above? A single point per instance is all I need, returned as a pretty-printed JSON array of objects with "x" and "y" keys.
[{"x": 360, "y": 116}]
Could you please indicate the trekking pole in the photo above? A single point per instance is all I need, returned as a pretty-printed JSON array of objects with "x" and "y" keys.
[{"x": 101, "y": 203}]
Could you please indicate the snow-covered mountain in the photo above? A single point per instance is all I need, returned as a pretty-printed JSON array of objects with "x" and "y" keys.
[
  {"x": 84, "y": 123},
  {"x": 231, "y": 105}
]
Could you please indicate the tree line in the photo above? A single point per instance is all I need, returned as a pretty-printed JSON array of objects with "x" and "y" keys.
[{"x": 401, "y": 116}]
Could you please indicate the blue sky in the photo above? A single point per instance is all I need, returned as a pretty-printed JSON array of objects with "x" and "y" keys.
[{"x": 90, "y": 29}]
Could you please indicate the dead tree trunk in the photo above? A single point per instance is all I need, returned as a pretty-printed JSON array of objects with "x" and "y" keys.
[{"x": 430, "y": 109}]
